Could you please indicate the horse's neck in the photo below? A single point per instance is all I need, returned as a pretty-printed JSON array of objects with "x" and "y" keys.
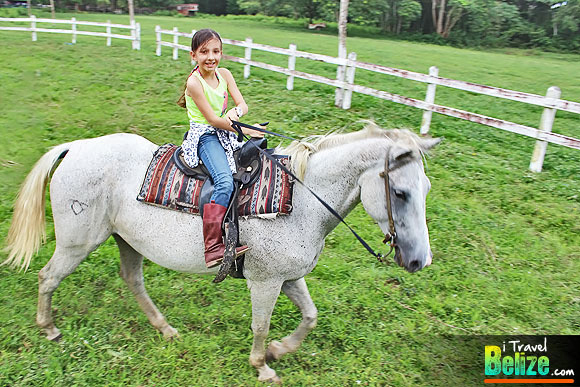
[{"x": 334, "y": 174}]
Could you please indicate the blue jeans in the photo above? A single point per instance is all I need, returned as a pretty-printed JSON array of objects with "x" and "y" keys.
[{"x": 213, "y": 155}]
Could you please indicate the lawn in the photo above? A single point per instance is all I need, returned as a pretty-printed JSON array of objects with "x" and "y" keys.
[{"x": 505, "y": 240}]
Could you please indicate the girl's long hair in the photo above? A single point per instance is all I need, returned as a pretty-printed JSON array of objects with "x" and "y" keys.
[{"x": 200, "y": 38}]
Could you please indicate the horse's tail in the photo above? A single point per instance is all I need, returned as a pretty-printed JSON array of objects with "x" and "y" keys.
[{"x": 27, "y": 230}]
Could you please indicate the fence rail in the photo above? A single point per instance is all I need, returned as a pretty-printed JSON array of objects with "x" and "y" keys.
[{"x": 134, "y": 37}]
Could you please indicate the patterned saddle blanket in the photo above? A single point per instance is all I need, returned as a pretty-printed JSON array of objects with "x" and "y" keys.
[{"x": 167, "y": 186}]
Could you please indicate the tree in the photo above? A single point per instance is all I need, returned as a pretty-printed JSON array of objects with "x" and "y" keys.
[
  {"x": 307, "y": 8},
  {"x": 566, "y": 16},
  {"x": 407, "y": 11},
  {"x": 389, "y": 15},
  {"x": 371, "y": 13},
  {"x": 446, "y": 13},
  {"x": 491, "y": 23}
]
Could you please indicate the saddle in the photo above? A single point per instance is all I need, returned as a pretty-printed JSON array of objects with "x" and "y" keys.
[{"x": 249, "y": 167}]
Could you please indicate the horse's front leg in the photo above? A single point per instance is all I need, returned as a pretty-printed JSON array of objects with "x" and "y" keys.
[
  {"x": 297, "y": 292},
  {"x": 264, "y": 296}
]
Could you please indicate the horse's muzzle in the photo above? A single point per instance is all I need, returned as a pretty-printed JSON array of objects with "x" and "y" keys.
[{"x": 414, "y": 265}]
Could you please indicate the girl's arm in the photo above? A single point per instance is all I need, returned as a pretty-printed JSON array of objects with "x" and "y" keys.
[
  {"x": 233, "y": 114},
  {"x": 235, "y": 93}
]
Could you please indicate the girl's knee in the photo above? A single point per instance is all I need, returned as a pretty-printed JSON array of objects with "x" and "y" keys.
[{"x": 224, "y": 182}]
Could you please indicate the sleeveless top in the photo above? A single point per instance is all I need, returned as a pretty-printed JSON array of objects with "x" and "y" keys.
[
  {"x": 198, "y": 125},
  {"x": 217, "y": 98}
]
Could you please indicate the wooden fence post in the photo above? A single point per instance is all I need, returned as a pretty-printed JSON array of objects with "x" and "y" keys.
[
  {"x": 33, "y": 27},
  {"x": 342, "y": 51},
  {"x": 133, "y": 33},
  {"x": 175, "y": 43},
  {"x": 340, "y": 75},
  {"x": 108, "y": 33},
  {"x": 73, "y": 21},
  {"x": 350, "y": 70},
  {"x": 429, "y": 98},
  {"x": 291, "y": 66},
  {"x": 158, "y": 40},
  {"x": 138, "y": 36},
  {"x": 548, "y": 116},
  {"x": 247, "y": 56}
]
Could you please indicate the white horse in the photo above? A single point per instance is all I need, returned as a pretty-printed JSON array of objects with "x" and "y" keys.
[{"x": 93, "y": 194}]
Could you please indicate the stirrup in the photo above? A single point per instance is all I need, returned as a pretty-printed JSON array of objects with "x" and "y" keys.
[{"x": 215, "y": 263}]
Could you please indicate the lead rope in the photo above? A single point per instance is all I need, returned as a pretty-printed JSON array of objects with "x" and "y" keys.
[{"x": 238, "y": 127}]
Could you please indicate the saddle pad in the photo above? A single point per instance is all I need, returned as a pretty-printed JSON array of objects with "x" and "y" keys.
[{"x": 167, "y": 186}]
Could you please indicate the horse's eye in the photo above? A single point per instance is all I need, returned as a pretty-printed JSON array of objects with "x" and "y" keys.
[{"x": 400, "y": 194}]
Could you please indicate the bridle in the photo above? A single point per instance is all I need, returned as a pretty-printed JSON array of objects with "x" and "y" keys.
[{"x": 390, "y": 236}]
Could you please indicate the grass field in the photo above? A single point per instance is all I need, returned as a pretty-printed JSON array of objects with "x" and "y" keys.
[{"x": 505, "y": 241}]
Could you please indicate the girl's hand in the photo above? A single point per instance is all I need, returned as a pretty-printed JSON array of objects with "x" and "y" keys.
[
  {"x": 232, "y": 115},
  {"x": 254, "y": 133}
]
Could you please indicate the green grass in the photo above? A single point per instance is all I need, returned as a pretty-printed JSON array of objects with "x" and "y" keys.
[{"x": 505, "y": 240}]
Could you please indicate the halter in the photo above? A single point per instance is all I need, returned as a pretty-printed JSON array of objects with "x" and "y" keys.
[{"x": 391, "y": 235}]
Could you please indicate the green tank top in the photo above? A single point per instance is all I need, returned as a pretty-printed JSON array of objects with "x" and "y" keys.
[{"x": 217, "y": 98}]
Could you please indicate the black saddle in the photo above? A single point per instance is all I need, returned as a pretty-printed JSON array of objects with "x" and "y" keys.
[{"x": 248, "y": 166}]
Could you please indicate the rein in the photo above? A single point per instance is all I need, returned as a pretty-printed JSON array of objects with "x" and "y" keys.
[{"x": 390, "y": 237}]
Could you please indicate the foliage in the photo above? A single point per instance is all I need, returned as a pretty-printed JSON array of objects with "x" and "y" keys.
[
  {"x": 549, "y": 24},
  {"x": 408, "y": 11},
  {"x": 165, "y": 12},
  {"x": 505, "y": 241},
  {"x": 567, "y": 17},
  {"x": 13, "y": 12}
]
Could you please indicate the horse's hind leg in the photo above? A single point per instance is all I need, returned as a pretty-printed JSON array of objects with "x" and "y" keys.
[
  {"x": 297, "y": 292},
  {"x": 63, "y": 262},
  {"x": 132, "y": 274}
]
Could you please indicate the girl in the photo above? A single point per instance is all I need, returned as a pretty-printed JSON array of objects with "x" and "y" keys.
[{"x": 211, "y": 137}]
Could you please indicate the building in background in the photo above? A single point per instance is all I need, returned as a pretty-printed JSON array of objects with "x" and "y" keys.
[{"x": 187, "y": 9}]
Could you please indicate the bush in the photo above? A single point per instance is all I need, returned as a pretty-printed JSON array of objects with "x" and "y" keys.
[
  {"x": 165, "y": 12},
  {"x": 13, "y": 12}
]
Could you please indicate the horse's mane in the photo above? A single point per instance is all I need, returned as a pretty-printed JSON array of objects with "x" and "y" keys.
[{"x": 300, "y": 151}]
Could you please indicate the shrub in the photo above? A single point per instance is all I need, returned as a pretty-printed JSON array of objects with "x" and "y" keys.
[{"x": 13, "y": 12}]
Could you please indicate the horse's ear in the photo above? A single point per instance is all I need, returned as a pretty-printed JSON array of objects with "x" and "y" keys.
[
  {"x": 399, "y": 153},
  {"x": 428, "y": 143}
]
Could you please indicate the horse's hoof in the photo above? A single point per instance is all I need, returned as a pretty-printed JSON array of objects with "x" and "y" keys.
[
  {"x": 275, "y": 380},
  {"x": 275, "y": 351},
  {"x": 268, "y": 375},
  {"x": 54, "y": 336},
  {"x": 170, "y": 333}
]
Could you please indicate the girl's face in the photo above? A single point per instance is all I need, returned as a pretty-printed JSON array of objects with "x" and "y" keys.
[{"x": 208, "y": 55}]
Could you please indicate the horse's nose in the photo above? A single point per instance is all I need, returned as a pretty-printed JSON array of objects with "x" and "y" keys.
[
  {"x": 429, "y": 259},
  {"x": 414, "y": 266}
]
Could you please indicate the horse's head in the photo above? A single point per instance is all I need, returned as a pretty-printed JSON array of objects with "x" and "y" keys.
[{"x": 408, "y": 187}]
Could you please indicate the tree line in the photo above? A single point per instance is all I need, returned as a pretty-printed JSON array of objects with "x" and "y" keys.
[{"x": 520, "y": 23}]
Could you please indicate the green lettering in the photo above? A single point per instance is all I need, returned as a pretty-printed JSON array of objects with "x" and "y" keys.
[
  {"x": 492, "y": 360},
  {"x": 532, "y": 360},
  {"x": 508, "y": 365},
  {"x": 543, "y": 365}
]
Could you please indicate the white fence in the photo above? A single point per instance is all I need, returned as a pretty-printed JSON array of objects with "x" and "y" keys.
[
  {"x": 345, "y": 86},
  {"x": 135, "y": 29}
]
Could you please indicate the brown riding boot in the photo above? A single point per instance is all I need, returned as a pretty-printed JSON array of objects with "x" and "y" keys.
[{"x": 213, "y": 216}]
